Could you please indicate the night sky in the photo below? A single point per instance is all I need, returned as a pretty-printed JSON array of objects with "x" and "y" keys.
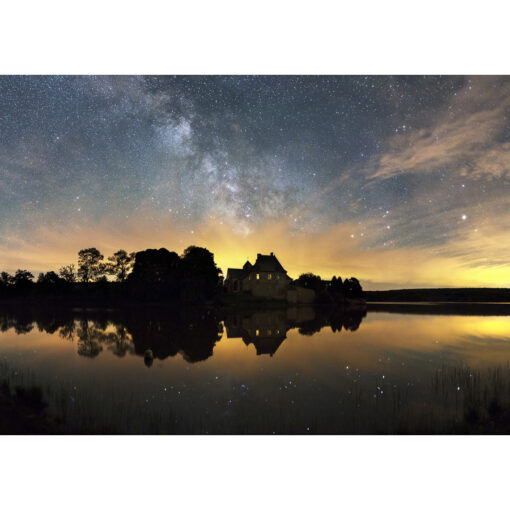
[{"x": 399, "y": 181}]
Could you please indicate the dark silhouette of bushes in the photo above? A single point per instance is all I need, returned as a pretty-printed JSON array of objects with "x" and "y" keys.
[
  {"x": 311, "y": 281},
  {"x": 352, "y": 288},
  {"x": 332, "y": 291}
]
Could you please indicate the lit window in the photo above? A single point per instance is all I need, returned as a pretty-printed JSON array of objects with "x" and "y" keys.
[
  {"x": 257, "y": 332},
  {"x": 269, "y": 276},
  {"x": 258, "y": 276}
]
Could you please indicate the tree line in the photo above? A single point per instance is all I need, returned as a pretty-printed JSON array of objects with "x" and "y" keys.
[
  {"x": 333, "y": 289},
  {"x": 91, "y": 268},
  {"x": 148, "y": 274}
]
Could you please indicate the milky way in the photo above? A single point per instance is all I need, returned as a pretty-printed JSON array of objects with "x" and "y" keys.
[{"x": 399, "y": 180}]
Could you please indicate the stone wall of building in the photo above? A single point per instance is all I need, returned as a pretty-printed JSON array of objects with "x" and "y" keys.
[{"x": 268, "y": 285}]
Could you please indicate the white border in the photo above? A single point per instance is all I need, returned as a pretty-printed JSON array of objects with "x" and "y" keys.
[
  {"x": 254, "y": 472},
  {"x": 267, "y": 36},
  {"x": 275, "y": 37}
]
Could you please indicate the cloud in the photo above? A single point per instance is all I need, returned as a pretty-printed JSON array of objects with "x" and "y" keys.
[
  {"x": 167, "y": 176},
  {"x": 465, "y": 138},
  {"x": 494, "y": 163}
]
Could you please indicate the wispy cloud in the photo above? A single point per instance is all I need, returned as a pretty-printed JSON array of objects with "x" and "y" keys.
[{"x": 466, "y": 138}]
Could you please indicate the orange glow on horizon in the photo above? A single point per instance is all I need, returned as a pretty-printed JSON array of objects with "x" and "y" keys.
[{"x": 328, "y": 252}]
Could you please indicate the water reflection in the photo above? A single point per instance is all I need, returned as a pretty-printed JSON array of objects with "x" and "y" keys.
[
  {"x": 168, "y": 332},
  {"x": 266, "y": 330},
  {"x": 395, "y": 369}
]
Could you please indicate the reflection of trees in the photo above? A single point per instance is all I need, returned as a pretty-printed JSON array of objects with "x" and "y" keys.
[
  {"x": 22, "y": 323},
  {"x": 23, "y": 328},
  {"x": 348, "y": 319},
  {"x": 311, "y": 327},
  {"x": 48, "y": 324},
  {"x": 6, "y": 323},
  {"x": 166, "y": 332},
  {"x": 120, "y": 341},
  {"x": 89, "y": 340},
  {"x": 193, "y": 334},
  {"x": 92, "y": 336},
  {"x": 267, "y": 330},
  {"x": 67, "y": 330}
]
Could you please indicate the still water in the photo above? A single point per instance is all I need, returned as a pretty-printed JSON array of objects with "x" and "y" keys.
[{"x": 391, "y": 369}]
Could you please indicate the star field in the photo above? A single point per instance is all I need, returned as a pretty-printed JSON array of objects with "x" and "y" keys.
[{"x": 401, "y": 181}]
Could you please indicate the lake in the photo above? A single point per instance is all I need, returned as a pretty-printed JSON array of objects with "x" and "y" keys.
[{"x": 393, "y": 369}]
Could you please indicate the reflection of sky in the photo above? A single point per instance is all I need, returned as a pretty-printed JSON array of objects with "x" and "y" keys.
[
  {"x": 401, "y": 181},
  {"x": 470, "y": 340},
  {"x": 309, "y": 378}
]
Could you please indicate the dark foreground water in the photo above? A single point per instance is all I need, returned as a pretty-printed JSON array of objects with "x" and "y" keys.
[{"x": 393, "y": 369}]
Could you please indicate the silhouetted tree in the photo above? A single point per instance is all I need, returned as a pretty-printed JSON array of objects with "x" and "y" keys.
[
  {"x": 68, "y": 273},
  {"x": 49, "y": 278},
  {"x": 352, "y": 288},
  {"x": 89, "y": 264},
  {"x": 155, "y": 266},
  {"x": 155, "y": 275},
  {"x": 336, "y": 288},
  {"x": 6, "y": 279},
  {"x": 23, "y": 278},
  {"x": 200, "y": 274},
  {"x": 120, "y": 264},
  {"x": 310, "y": 281}
]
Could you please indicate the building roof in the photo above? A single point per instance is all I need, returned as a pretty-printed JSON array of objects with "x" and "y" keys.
[
  {"x": 235, "y": 273},
  {"x": 268, "y": 263}
]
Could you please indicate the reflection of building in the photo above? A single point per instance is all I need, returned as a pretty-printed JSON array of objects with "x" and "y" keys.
[
  {"x": 265, "y": 330},
  {"x": 268, "y": 329},
  {"x": 266, "y": 279}
]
